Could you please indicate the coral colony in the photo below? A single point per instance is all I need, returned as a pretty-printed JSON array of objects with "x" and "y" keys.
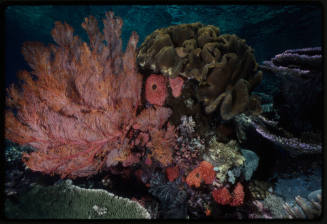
[{"x": 171, "y": 116}]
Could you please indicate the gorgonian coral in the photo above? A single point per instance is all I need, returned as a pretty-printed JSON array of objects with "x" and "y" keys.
[{"x": 79, "y": 106}]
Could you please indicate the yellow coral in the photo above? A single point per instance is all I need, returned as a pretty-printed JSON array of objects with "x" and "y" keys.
[{"x": 224, "y": 156}]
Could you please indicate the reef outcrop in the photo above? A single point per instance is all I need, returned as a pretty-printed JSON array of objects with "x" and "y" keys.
[{"x": 224, "y": 65}]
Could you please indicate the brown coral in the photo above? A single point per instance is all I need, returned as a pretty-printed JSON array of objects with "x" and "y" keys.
[{"x": 223, "y": 64}]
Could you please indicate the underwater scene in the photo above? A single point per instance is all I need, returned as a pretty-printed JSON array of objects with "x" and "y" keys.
[{"x": 193, "y": 112}]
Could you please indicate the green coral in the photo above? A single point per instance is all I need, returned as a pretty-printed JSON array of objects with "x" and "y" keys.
[
  {"x": 224, "y": 157},
  {"x": 66, "y": 201}
]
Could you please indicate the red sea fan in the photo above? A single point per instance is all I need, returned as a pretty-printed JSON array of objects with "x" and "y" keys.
[{"x": 78, "y": 105}]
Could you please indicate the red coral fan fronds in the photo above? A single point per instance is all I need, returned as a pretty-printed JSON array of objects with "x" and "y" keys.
[
  {"x": 238, "y": 195},
  {"x": 148, "y": 161},
  {"x": 156, "y": 90},
  {"x": 79, "y": 110},
  {"x": 145, "y": 121},
  {"x": 172, "y": 173},
  {"x": 162, "y": 144},
  {"x": 204, "y": 172},
  {"x": 222, "y": 196},
  {"x": 176, "y": 85}
]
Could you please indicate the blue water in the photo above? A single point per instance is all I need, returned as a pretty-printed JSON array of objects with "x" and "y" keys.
[{"x": 269, "y": 29}]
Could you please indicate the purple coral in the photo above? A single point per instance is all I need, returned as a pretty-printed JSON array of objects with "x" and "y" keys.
[
  {"x": 299, "y": 102},
  {"x": 263, "y": 127},
  {"x": 295, "y": 62}
]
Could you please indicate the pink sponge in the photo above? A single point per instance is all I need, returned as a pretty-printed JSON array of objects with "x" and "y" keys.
[
  {"x": 155, "y": 89},
  {"x": 176, "y": 85}
]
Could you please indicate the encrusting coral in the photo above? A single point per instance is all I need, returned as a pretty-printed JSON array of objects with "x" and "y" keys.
[
  {"x": 79, "y": 106},
  {"x": 223, "y": 65}
]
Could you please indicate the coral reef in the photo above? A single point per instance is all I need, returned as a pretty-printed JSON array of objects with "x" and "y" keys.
[
  {"x": 80, "y": 114},
  {"x": 64, "y": 200},
  {"x": 177, "y": 126},
  {"x": 299, "y": 102},
  {"x": 223, "y": 65}
]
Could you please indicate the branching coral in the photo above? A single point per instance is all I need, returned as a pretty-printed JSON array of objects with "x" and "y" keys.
[{"x": 78, "y": 107}]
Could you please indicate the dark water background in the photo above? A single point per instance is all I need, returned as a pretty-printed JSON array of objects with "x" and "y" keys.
[{"x": 269, "y": 29}]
